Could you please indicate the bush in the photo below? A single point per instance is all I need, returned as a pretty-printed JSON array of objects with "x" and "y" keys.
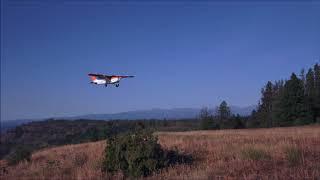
[
  {"x": 138, "y": 154},
  {"x": 21, "y": 153},
  {"x": 255, "y": 154},
  {"x": 293, "y": 155}
]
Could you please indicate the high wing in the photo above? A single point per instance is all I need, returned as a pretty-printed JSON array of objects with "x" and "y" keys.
[
  {"x": 123, "y": 76},
  {"x": 103, "y": 76},
  {"x": 100, "y": 76}
]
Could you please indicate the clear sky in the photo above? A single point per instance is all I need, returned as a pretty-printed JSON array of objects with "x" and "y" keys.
[{"x": 183, "y": 53}]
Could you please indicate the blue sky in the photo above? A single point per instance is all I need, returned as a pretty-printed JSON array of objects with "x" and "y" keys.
[{"x": 184, "y": 54}]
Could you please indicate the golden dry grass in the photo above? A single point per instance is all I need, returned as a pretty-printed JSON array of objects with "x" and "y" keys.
[
  {"x": 79, "y": 161},
  {"x": 223, "y": 153},
  {"x": 277, "y": 153}
]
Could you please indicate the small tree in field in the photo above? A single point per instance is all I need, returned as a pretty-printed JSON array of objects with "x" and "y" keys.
[
  {"x": 223, "y": 114},
  {"x": 138, "y": 154}
]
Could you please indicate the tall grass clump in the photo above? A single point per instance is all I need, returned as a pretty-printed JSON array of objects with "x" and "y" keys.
[
  {"x": 251, "y": 153},
  {"x": 138, "y": 154},
  {"x": 293, "y": 155}
]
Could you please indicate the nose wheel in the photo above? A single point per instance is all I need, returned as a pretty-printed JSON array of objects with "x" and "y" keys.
[{"x": 117, "y": 85}]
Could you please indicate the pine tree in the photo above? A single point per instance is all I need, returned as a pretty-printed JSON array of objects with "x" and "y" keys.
[
  {"x": 317, "y": 91},
  {"x": 223, "y": 115},
  {"x": 237, "y": 122},
  {"x": 224, "y": 112},
  {"x": 265, "y": 109},
  {"x": 253, "y": 121},
  {"x": 278, "y": 90},
  {"x": 310, "y": 92},
  {"x": 292, "y": 105},
  {"x": 303, "y": 78}
]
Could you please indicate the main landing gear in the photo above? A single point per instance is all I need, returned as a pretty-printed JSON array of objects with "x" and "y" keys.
[{"x": 117, "y": 85}]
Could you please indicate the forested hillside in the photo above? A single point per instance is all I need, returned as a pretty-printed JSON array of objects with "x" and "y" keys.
[{"x": 36, "y": 135}]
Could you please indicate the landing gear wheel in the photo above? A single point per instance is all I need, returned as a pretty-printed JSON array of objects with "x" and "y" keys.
[
  {"x": 106, "y": 85},
  {"x": 117, "y": 85}
]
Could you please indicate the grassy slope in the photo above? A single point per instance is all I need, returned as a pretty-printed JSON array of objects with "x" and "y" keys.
[{"x": 277, "y": 153}]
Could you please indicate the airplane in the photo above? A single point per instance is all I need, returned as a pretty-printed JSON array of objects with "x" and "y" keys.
[{"x": 102, "y": 79}]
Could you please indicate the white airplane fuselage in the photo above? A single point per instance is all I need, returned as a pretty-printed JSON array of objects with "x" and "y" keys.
[
  {"x": 113, "y": 80},
  {"x": 99, "y": 81}
]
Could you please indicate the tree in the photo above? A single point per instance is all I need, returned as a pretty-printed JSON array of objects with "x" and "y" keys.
[
  {"x": 317, "y": 91},
  {"x": 265, "y": 109},
  {"x": 223, "y": 115},
  {"x": 237, "y": 122},
  {"x": 206, "y": 119},
  {"x": 224, "y": 112},
  {"x": 253, "y": 121},
  {"x": 292, "y": 106},
  {"x": 165, "y": 122},
  {"x": 139, "y": 154},
  {"x": 278, "y": 90},
  {"x": 303, "y": 77},
  {"x": 310, "y": 92}
]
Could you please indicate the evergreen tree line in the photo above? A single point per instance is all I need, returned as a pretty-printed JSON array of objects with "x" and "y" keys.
[
  {"x": 291, "y": 102},
  {"x": 295, "y": 101}
]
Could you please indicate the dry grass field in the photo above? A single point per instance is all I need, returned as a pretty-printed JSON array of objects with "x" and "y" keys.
[{"x": 277, "y": 153}]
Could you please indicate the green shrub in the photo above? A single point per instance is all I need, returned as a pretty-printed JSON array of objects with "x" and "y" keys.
[
  {"x": 251, "y": 153},
  {"x": 138, "y": 154},
  {"x": 19, "y": 154},
  {"x": 293, "y": 155}
]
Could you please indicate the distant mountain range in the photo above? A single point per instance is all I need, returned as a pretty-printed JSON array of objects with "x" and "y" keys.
[{"x": 175, "y": 113}]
